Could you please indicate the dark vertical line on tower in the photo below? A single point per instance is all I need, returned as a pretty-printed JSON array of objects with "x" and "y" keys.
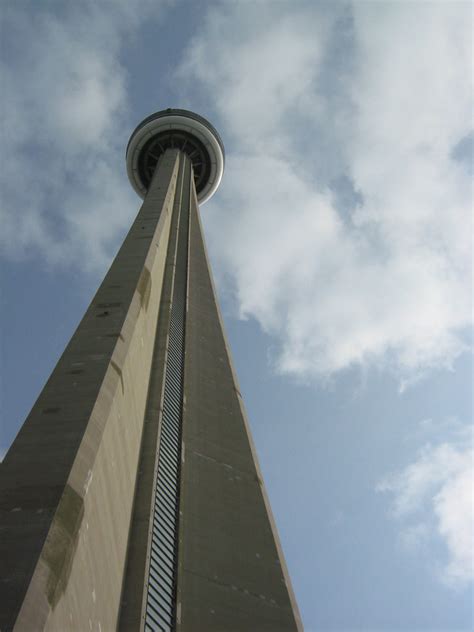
[{"x": 160, "y": 588}]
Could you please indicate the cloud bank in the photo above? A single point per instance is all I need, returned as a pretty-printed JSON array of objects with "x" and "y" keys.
[
  {"x": 344, "y": 219},
  {"x": 437, "y": 488},
  {"x": 343, "y": 223}
]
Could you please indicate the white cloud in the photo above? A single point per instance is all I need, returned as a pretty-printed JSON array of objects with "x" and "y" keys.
[
  {"x": 377, "y": 94},
  {"x": 434, "y": 494},
  {"x": 372, "y": 93},
  {"x": 64, "y": 192}
]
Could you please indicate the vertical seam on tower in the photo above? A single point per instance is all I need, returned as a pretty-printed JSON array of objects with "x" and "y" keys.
[{"x": 160, "y": 607}]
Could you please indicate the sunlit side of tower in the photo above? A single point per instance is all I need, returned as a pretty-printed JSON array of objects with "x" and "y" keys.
[{"x": 131, "y": 498}]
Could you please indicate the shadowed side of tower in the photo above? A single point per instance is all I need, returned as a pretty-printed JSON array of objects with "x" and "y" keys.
[
  {"x": 231, "y": 573},
  {"x": 131, "y": 498}
]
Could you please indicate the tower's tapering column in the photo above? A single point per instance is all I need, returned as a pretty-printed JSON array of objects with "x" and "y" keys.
[{"x": 132, "y": 497}]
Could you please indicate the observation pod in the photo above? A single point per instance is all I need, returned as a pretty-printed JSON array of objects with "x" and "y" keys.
[{"x": 176, "y": 129}]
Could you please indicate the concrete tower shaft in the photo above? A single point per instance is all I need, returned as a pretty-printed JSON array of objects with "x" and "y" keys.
[{"x": 131, "y": 498}]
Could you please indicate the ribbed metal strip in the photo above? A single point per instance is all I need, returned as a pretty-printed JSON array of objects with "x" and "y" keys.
[{"x": 161, "y": 582}]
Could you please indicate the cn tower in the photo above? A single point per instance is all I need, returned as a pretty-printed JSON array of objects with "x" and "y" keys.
[{"x": 132, "y": 498}]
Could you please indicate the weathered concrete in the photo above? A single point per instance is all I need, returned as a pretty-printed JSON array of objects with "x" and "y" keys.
[
  {"x": 67, "y": 483},
  {"x": 231, "y": 572}
]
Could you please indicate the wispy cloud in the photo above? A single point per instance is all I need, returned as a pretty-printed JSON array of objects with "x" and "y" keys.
[
  {"x": 434, "y": 496},
  {"x": 64, "y": 106},
  {"x": 370, "y": 96}
]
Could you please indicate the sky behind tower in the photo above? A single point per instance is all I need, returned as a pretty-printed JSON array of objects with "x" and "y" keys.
[{"x": 340, "y": 240}]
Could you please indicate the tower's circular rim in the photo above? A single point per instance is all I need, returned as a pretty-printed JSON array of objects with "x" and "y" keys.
[{"x": 182, "y": 121}]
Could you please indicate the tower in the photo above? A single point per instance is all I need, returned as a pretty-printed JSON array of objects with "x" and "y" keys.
[{"x": 131, "y": 498}]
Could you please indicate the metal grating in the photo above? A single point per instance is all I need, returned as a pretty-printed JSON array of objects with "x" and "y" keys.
[{"x": 161, "y": 585}]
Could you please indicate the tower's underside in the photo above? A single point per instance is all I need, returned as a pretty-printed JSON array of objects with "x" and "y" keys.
[{"x": 131, "y": 498}]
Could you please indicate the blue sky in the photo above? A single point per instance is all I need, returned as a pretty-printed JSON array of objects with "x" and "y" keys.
[{"x": 340, "y": 241}]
